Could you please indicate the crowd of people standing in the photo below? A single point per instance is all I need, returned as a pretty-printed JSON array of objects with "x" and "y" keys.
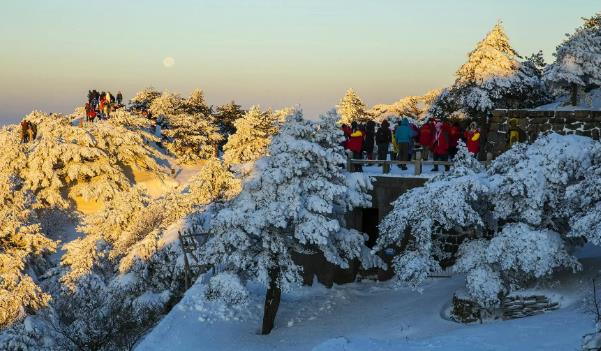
[
  {"x": 100, "y": 105},
  {"x": 434, "y": 137}
]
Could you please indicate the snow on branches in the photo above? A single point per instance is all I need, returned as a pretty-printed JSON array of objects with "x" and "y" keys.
[
  {"x": 130, "y": 263},
  {"x": 91, "y": 162},
  {"x": 252, "y": 138},
  {"x": 351, "y": 108},
  {"x": 493, "y": 77},
  {"x": 21, "y": 241},
  {"x": 192, "y": 137},
  {"x": 577, "y": 59},
  {"x": 292, "y": 203},
  {"x": 516, "y": 216}
]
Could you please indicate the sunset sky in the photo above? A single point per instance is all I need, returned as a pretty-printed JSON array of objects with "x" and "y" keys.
[{"x": 274, "y": 53}]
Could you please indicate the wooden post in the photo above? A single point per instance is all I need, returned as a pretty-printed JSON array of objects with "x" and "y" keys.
[
  {"x": 187, "y": 273},
  {"x": 349, "y": 165},
  {"x": 386, "y": 167},
  {"x": 488, "y": 158},
  {"x": 418, "y": 163}
]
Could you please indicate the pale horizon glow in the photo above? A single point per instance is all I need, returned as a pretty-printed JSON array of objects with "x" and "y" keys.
[{"x": 273, "y": 53}]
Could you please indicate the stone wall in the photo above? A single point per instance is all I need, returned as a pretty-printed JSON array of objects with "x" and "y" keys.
[
  {"x": 534, "y": 122},
  {"x": 515, "y": 306}
]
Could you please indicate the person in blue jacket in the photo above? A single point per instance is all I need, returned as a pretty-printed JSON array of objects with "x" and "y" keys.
[{"x": 404, "y": 135}]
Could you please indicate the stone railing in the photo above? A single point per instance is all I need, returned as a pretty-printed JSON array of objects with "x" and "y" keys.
[{"x": 535, "y": 122}]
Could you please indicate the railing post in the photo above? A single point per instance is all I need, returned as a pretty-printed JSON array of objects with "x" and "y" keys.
[
  {"x": 418, "y": 163},
  {"x": 386, "y": 167},
  {"x": 349, "y": 165},
  {"x": 488, "y": 158}
]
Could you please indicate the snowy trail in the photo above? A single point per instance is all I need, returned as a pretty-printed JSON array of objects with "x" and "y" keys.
[
  {"x": 372, "y": 316},
  {"x": 311, "y": 316}
]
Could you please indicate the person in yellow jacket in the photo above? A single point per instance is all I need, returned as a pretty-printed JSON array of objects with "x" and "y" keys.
[
  {"x": 107, "y": 109},
  {"x": 472, "y": 139},
  {"x": 515, "y": 134},
  {"x": 395, "y": 147}
]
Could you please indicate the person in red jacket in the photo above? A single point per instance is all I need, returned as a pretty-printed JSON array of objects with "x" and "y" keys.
[
  {"x": 347, "y": 134},
  {"x": 440, "y": 146},
  {"x": 425, "y": 138},
  {"x": 355, "y": 144},
  {"x": 454, "y": 136},
  {"x": 472, "y": 139}
]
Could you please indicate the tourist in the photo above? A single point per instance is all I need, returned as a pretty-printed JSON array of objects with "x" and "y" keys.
[
  {"x": 101, "y": 105},
  {"x": 107, "y": 108},
  {"x": 119, "y": 98},
  {"x": 426, "y": 136},
  {"x": 347, "y": 131},
  {"x": 25, "y": 131},
  {"x": 369, "y": 141},
  {"x": 472, "y": 139},
  {"x": 454, "y": 136},
  {"x": 87, "y": 108},
  {"x": 355, "y": 144},
  {"x": 404, "y": 137},
  {"x": 440, "y": 146},
  {"x": 383, "y": 139},
  {"x": 515, "y": 134},
  {"x": 90, "y": 114}
]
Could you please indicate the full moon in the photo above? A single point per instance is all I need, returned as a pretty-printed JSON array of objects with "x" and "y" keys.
[{"x": 168, "y": 62}]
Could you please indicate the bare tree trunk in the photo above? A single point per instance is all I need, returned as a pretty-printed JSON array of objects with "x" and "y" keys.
[
  {"x": 574, "y": 89},
  {"x": 272, "y": 301}
]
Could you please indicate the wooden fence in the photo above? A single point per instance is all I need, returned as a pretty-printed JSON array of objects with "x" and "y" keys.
[{"x": 418, "y": 163}]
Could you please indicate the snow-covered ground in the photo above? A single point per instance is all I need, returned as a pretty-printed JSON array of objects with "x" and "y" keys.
[
  {"x": 373, "y": 316},
  {"x": 590, "y": 101}
]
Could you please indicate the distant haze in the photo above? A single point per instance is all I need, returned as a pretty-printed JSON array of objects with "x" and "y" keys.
[{"x": 273, "y": 53}]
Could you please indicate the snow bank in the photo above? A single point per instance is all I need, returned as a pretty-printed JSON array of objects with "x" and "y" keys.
[{"x": 370, "y": 316}]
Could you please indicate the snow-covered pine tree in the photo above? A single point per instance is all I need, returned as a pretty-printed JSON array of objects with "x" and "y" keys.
[
  {"x": 351, "y": 108},
  {"x": 167, "y": 104},
  {"x": 443, "y": 105},
  {"x": 291, "y": 205},
  {"x": 226, "y": 116},
  {"x": 492, "y": 57},
  {"x": 517, "y": 217},
  {"x": 39, "y": 180},
  {"x": 530, "y": 89},
  {"x": 128, "y": 268},
  {"x": 252, "y": 138},
  {"x": 91, "y": 162},
  {"x": 195, "y": 104},
  {"x": 577, "y": 63},
  {"x": 143, "y": 98},
  {"x": 492, "y": 77},
  {"x": 482, "y": 80},
  {"x": 22, "y": 243},
  {"x": 192, "y": 137}
]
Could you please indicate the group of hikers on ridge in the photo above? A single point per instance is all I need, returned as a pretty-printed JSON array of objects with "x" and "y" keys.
[
  {"x": 434, "y": 137},
  {"x": 28, "y": 131},
  {"x": 101, "y": 104}
]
